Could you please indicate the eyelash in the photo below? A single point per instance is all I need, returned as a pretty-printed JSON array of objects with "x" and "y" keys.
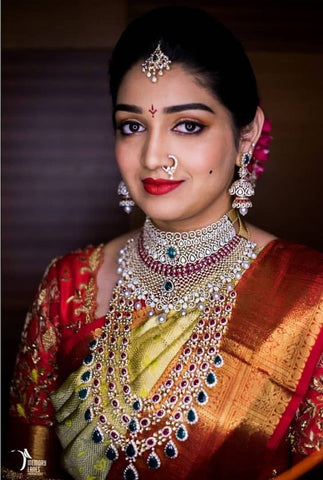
[
  {"x": 129, "y": 124},
  {"x": 196, "y": 125}
]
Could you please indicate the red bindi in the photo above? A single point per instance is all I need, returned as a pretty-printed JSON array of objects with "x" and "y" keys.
[{"x": 152, "y": 110}]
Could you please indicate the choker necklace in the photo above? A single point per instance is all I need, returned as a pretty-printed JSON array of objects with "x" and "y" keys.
[
  {"x": 162, "y": 272},
  {"x": 188, "y": 247},
  {"x": 179, "y": 271}
]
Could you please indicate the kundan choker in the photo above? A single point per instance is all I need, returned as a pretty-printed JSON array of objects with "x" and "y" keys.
[
  {"x": 179, "y": 271},
  {"x": 162, "y": 273}
]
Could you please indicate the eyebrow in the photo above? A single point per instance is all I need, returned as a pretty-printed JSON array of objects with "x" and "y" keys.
[
  {"x": 125, "y": 107},
  {"x": 187, "y": 106}
]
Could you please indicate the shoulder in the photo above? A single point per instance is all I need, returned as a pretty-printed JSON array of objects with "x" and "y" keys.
[
  {"x": 292, "y": 268},
  {"x": 290, "y": 253},
  {"x": 82, "y": 260},
  {"x": 111, "y": 249},
  {"x": 286, "y": 269},
  {"x": 110, "y": 254},
  {"x": 294, "y": 256},
  {"x": 80, "y": 283},
  {"x": 87, "y": 261},
  {"x": 260, "y": 237},
  {"x": 107, "y": 274}
]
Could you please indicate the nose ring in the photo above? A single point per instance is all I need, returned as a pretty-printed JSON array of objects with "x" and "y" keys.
[{"x": 171, "y": 170}]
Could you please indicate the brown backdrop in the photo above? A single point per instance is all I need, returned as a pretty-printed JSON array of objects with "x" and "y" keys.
[{"x": 59, "y": 175}]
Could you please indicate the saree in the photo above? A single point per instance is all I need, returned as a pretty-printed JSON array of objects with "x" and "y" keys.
[{"x": 270, "y": 375}]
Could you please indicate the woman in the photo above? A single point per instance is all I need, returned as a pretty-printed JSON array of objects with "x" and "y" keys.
[{"x": 208, "y": 357}]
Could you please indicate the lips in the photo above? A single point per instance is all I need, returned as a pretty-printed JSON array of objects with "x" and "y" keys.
[{"x": 160, "y": 186}]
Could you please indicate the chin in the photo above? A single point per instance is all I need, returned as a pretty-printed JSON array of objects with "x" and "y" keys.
[
  {"x": 162, "y": 215},
  {"x": 163, "y": 211}
]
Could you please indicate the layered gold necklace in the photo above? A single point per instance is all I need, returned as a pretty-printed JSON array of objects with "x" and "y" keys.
[{"x": 162, "y": 272}]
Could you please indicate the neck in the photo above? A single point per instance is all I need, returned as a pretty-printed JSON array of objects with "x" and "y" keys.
[{"x": 191, "y": 223}]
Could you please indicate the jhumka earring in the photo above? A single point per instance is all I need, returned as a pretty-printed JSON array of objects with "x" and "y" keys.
[
  {"x": 126, "y": 201},
  {"x": 155, "y": 64},
  {"x": 242, "y": 188},
  {"x": 171, "y": 170}
]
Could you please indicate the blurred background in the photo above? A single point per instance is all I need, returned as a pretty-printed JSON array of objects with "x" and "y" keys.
[{"x": 59, "y": 176}]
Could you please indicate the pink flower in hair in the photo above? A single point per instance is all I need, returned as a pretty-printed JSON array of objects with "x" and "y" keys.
[{"x": 261, "y": 152}]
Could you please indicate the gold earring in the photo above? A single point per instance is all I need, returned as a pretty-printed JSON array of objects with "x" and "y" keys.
[
  {"x": 242, "y": 188},
  {"x": 126, "y": 201}
]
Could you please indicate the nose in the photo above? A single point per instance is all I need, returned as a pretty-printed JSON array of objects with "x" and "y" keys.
[{"x": 154, "y": 155}]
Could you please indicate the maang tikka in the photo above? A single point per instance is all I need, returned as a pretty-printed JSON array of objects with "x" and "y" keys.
[
  {"x": 243, "y": 188},
  {"x": 155, "y": 64},
  {"x": 126, "y": 201}
]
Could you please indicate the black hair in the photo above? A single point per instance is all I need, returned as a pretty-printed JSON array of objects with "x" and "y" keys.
[{"x": 199, "y": 42}]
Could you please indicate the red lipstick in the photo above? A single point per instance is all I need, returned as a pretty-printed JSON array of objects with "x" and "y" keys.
[{"x": 160, "y": 186}]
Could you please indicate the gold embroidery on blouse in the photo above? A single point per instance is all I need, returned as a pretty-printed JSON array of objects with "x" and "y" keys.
[
  {"x": 85, "y": 293},
  {"x": 49, "y": 338},
  {"x": 317, "y": 384},
  {"x": 41, "y": 298},
  {"x": 95, "y": 258},
  {"x": 88, "y": 301}
]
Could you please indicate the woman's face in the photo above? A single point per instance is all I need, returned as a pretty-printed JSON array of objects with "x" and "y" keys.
[{"x": 175, "y": 116}]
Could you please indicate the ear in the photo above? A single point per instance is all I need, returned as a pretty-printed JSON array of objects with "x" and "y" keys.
[{"x": 250, "y": 134}]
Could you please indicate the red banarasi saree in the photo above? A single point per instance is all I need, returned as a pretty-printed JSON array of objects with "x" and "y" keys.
[{"x": 266, "y": 409}]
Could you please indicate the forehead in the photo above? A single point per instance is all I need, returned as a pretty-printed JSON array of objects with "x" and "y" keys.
[{"x": 176, "y": 86}]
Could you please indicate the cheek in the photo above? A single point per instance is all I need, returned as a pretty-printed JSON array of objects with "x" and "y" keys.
[
  {"x": 117, "y": 152},
  {"x": 211, "y": 155},
  {"x": 123, "y": 157},
  {"x": 216, "y": 170},
  {"x": 219, "y": 164}
]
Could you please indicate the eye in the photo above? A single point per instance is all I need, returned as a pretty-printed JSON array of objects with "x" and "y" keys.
[
  {"x": 129, "y": 128},
  {"x": 188, "y": 127}
]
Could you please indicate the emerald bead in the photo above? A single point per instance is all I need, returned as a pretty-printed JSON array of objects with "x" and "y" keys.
[
  {"x": 168, "y": 286},
  {"x": 153, "y": 461},
  {"x": 131, "y": 450},
  {"x": 137, "y": 405},
  {"x": 130, "y": 473},
  {"x": 111, "y": 453},
  {"x": 97, "y": 436},
  {"x": 245, "y": 159},
  {"x": 88, "y": 359},
  {"x": 85, "y": 377},
  {"x": 93, "y": 344},
  {"x": 192, "y": 416},
  {"x": 211, "y": 379},
  {"x": 133, "y": 426},
  {"x": 83, "y": 393},
  {"x": 202, "y": 397},
  {"x": 170, "y": 450},
  {"x": 181, "y": 433},
  {"x": 218, "y": 361},
  {"x": 88, "y": 415},
  {"x": 171, "y": 252}
]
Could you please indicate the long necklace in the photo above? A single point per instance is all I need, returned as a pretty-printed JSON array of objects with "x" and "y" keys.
[{"x": 156, "y": 274}]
